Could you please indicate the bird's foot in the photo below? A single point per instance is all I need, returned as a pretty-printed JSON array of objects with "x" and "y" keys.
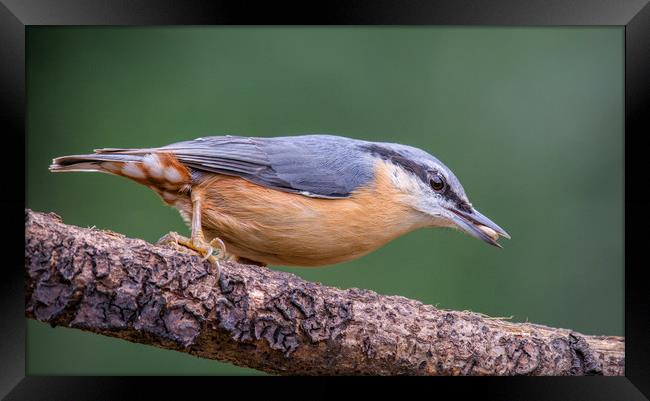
[{"x": 198, "y": 245}]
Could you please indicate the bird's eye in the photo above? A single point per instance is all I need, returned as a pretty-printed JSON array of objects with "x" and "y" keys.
[{"x": 437, "y": 182}]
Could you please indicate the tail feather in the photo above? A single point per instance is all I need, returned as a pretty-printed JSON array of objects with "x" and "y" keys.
[{"x": 92, "y": 162}]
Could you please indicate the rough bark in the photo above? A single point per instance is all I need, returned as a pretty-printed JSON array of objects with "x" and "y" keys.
[{"x": 252, "y": 316}]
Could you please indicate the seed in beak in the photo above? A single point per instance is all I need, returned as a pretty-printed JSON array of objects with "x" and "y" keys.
[{"x": 489, "y": 232}]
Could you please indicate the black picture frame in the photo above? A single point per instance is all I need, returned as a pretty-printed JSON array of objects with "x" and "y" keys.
[{"x": 16, "y": 15}]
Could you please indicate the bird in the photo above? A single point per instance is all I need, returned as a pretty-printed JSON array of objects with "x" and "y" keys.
[{"x": 304, "y": 200}]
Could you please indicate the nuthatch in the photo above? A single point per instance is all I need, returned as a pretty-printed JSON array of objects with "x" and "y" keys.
[{"x": 299, "y": 201}]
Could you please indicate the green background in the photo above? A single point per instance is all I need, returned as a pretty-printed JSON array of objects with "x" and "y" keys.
[{"x": 529, "y": 119}]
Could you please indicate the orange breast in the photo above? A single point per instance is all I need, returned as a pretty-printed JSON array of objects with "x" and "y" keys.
[{"x": 282, "y": 228}]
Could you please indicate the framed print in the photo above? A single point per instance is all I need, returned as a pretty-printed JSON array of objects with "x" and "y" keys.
[{"x": 349, "y": 141}]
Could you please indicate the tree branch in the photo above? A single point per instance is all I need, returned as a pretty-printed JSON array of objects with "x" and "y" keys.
[{"x": 106, "y": 283}]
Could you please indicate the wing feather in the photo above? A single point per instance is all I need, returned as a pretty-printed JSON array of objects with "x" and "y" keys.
[{"x": 323, "y": 166}]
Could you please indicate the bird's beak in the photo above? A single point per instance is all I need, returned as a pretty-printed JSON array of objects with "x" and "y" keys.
[{"x": 478, "y": 226}]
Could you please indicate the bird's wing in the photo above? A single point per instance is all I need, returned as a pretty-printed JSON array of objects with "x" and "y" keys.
[{"x": 321, "y": 166}]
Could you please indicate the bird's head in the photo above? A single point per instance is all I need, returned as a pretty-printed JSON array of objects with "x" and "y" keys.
[{"x": 430, "y": 188}]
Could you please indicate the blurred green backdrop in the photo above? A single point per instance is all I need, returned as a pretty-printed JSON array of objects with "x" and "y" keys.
[{"x": 530, "y": 120}]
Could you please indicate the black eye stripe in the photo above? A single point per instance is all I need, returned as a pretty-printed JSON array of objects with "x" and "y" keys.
[
  {"x": 407, "y": 164},
  {"x": 421, "y": 171}
]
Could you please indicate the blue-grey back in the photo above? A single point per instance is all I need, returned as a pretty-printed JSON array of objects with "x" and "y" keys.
[{"x": 325, "y": 166}]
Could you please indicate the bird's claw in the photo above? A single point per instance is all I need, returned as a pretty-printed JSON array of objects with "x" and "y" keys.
[{"x": 198, "y": 245}]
